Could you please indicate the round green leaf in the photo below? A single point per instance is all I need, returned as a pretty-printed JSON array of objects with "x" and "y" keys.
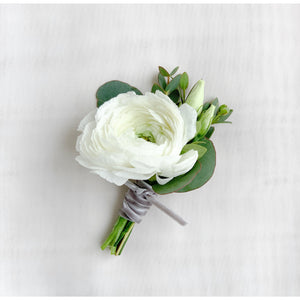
[
  {"x": 156, "y": 87},
  {"x": 210, "y": 132},
  {"x": 162, "y": 81},
  {"x": 178, "y": 182},
  {"x": 208, "y": 162},
  {"x": 163, "y": 71},
  {"x": 174, "y": 71},
  {"x": 174, "y": 96},
  {"x": 184, "y": 81},
  {"x": 173, "y": 85},
  {"x": 195, "y": 146},
  {"x": 112, "y": 89}
]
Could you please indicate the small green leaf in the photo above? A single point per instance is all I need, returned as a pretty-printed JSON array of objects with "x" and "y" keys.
[
  {"x": 163, "y": 72},
  {"x": 216, "y": 104},
  {"x": 174, "y": 96},
  {"x": 156, "y": 87},
  {"x": 194, "y": 146},
  {"x": 222, "y": 119},
  {"x": 173, "y": 85},
  {"x": 178, "y": 182},
  {"x": 174, "y": 71},
  {"x": 184, "y": 81},
  {"x": 208, "y": 163},
  {"x": 205, "y": 106},
  {"x": 152, "y": 180},
  {"x": 198, "y": 138},
  {"x": 112, "y": 89},
  {"x": 162, "y": 81},
  {"x": 210, "y": 132}
]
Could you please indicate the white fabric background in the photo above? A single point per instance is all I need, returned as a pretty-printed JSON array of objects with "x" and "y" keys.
[{"x": 243, "y": 232}]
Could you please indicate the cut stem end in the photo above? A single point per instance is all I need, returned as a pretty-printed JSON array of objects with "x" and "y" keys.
[{"x": 119, "y": 236}]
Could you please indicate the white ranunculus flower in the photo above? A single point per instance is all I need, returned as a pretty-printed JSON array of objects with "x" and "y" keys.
[{"x": 137, "y": 136}]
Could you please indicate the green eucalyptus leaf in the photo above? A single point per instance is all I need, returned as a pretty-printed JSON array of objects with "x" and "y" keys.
[
  {"x": 156, "y": 87},
  {"x": 222, "y": 119},
  {"x": 210, "y": 132},
  {"x": 208, "y": 163},
  {"x": 216, "y": 104},
  {"x": 174, "y": 96},
  {"x": 173, "y": 85},
  {"x": 174, "y": 71},
  {"x": 184, "y": 81},
  {"x": 112, "y": 89},
  {"x": 194, "y": 146},
  {"x": 178, "y": 182},
  {"x": 205, "y": 106},
  {"x": 198, "y": 138},
  {"x": 163, "y": 72},
  {"x": 162, "y": 81}
]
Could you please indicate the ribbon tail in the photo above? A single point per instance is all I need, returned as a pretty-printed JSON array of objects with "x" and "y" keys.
[{"x": 168, "y": 211}]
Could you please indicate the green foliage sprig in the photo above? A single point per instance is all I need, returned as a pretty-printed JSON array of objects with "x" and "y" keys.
[
  {"x": 171, "y": 85},
  {"x": 208, "y": 113}
]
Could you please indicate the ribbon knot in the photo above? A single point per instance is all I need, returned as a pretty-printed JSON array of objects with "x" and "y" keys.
[{"x": 139, "y": 199}]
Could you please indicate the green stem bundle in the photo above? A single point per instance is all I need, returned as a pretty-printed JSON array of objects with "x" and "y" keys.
[{"x": 118, "y": 236}]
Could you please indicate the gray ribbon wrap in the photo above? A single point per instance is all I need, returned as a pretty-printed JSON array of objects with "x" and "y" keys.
[{"x": 139, "y": 199}]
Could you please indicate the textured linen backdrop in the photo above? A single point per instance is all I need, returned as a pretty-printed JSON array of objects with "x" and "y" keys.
[{"x": 243, "y": 232}]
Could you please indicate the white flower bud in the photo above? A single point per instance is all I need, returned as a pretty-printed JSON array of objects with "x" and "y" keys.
[
  {"x": 196, "y": 96},
  {"x": 205, "y": 120}
]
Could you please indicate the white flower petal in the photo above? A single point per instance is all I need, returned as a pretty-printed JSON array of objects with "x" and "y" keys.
[
  {"x": 186, "y": 162},
  {"x": 88, "y": 118},
  {"x": 161, "y": 95},
  {"x": 189, "y": 116},
  {"x": 163, "y": 181},
  {"x": 78, "y": 141},
  {"x": 110, "y": 177}
]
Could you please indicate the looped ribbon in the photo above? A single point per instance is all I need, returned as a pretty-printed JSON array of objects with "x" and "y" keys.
[{"x": 139, "y": 199}]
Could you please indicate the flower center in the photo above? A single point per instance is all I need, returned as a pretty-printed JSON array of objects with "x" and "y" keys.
[{"x": 147, "y": 136}]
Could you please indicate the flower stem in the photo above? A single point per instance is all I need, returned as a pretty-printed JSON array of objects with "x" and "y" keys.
[
  {"x": 125, "y": 238},
  {"x": 119, "y": 236}
]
